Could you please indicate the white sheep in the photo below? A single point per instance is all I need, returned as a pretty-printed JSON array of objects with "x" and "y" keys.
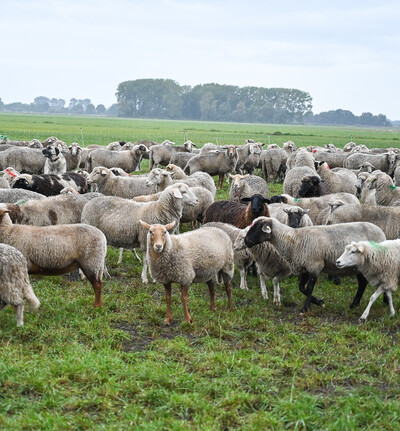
[
  {"x": 15, "y": 286},
  {"x": 192, "y": 257},
  {"x": 378, "y": 263}
]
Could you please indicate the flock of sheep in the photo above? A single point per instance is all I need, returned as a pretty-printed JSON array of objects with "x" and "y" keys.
[{"x": 60, "y": 206}]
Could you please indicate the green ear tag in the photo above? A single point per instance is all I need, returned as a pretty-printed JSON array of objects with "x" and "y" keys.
[
  {"x": 297, "y": 200},
  {"x": 21, "y": 202},
  {"x": 393, "y": 187}
]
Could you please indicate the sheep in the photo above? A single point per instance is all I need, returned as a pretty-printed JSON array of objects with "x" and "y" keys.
[
  {"x": 55, "y": 161},
  {"x": 15, "y": 195},
  {"x": 50, "y": 140},
  {"x": 293, "y": 179},
  {"x": 24, "y": 160},
  {"x": 324, "y": 214},
  {"x": 4, "y": 184},
  {"x": 312, "y": 186},
  {"x": 161, "y": 179},
  {"x": 336, "y": 182},
  {"x": 270, "y": 264},
  {"x": 60, "y": 249},
  {"x": 273, "y": 163},
  {"x": 116, "y": 146},
  {"x": 181, "y": 159},
  {"x": 161, "y": 154},
  {"x": 312, "y": 250},
  {"x": 218, "y": 162},
  {"x": 364, "y": 193},
  {"x": 384, "y": 162},
  {"x": 386, "y": 193},
  {"x": 290, "y": 215},
  {"x": 192, "y": 257},
  {"x": 300, "y": 159},
  {"x": 333, "y": 159},
  {"x": 248, "y": 157},
  {"x": 119, "y": 172},
  {"x": 9, "y": 174},
  {"x": 378, "y": 263},
  {"x": 50, "y": 184},
  {"x": 125, "y": 187},
  {"x": 118, "y": 217},
  {"x": 241, "y": 258},
  {"x": 128, "y": 160},
  {"x": 387, "y": 218},
  {"x": 15, "y": 286},
  {"x": 73, "y": 156},
  {"x": 316, "y": 205},
  {"x": 235, "y": 213},
  {"x": 349, "y": 146},
  {"x": 245, "y": 186}
]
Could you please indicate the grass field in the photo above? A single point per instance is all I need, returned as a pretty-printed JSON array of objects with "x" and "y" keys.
[{"x": 261, "y": 367}]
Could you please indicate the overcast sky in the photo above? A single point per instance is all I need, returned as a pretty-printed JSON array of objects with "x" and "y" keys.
[{"x": 345, "y": 53}]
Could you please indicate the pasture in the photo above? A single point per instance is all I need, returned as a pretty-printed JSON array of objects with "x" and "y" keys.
[{"x": 261, "y": 367}]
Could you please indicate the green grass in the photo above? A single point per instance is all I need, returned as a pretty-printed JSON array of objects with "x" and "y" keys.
[{"x": 261, "y": 367}]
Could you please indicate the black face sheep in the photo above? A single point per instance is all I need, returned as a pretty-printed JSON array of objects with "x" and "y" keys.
[
  {"x": 237, "y": 214},
  {"x": 14, "y": 282},
  {"x": 192, "y": 257},
  {"x": 378, "y": 263},
  {"x": 60, "y": 249},
  {"x": 314, "y": 249},
  {"x": 312, "y": 186}
]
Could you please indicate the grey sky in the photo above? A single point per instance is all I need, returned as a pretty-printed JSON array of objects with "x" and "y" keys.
[{"x": 346, "y": 54}]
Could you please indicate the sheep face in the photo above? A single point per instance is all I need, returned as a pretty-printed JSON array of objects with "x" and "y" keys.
[
  {"x": 295, "y": 215},
  {"x": 353, "y": 255},
  {"x": 22, "y": 183},
  {"x": 277, "y": 199},
  {"x": 309, "y": 186},
  {"x": 157, "y": 236},
  {"x": 74, "y": 149},
  {"x": 260, "y": 231},
  {"x": 257, "y": 204},
  {"x": 156, "y": 177},
  {"x": 182, "y": 191},
  {"x": 98, "y": 175}
]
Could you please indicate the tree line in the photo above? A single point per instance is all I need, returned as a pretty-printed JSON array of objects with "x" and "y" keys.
[{"x": 46, "y": 105}]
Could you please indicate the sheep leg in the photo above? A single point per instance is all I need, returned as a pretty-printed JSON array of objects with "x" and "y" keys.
[
  {"x": 145, "y": 280},
  {"x": 121, "y": 251},
  {"x": 211, "y": 289},
  {"x": 373, "y": 298},
  {"x": 302, "y": 284},
  {"x": 168, "y": 317},
  {"x": 19, "y": 313},
  {"x": 362, "y": 284},
  {"x": 243, "y": 279},
  {"x": 97, "y": 285},
  {"x": 229, "y": 294},
  {"x": 388, "y": 294},
  {"x": 263, "y": 286},
  {"x": 220, "y": 181},
  {"x": 312, "y": 279},
  {"x": 184, "y": 292},
  {"x": 277, "y": 296}
]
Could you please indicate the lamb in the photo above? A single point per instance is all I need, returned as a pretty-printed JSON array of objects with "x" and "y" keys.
[
  {"x": 316, "y": 205},
  {"x": 336, "y": 182},
  {"x": 128, "y": 160},
  {"x": 118, "y": 217},
  {"x": 273, "y": 163},
  {"x": 270, "y": 264},
  {"x": 386, "y": 193},
  {"x": 312, "y": 250},
  {"x": 55, "y": 161},
  {"x": 50, "y": 184},
  {"x": 55, "y": 250},
  {"x": 73, "y": 156},
  {"x": 378, "y": 263},
  {"x": 192, "y": 257},
  {"x": 14, "y": 282},
  {"x": 312, "y": 186},
  {"x": 161, "y": 179},
  {"x": 125, "y": 187},
  {"x": 387, "y": 218},
  {"x": 235, "y": 213},
  {"x": 248, "y": 157},
  {"x": 218, "y": 162},
  {"x": 293, "y": 179},
  {"x": 25, "y": 160},
  {"x": 241, "y": 258},
  {"x": 384, "y": 162},
  {"x": 290, "y": 215},
  {"x": 161, "y": 154},
  {"x": 245, "y": 186}
]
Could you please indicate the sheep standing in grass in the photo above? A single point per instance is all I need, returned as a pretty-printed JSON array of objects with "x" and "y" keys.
[
  {"x": 161, "y": 154},
  {"x": 245, "y": 186},
  {"x": 192, "y": 257},
  {"x": 273, "y": 162},
  {"x": 60, "y": 249},
  {"x": 294, "y": 177},
  {"x": 312, "y": 250},
  {"x": 336, "y": 182},
  {"x": 15, "y": 286},
  {"x": 378, "y": 263},
  {"x": 386, "y": 193}
]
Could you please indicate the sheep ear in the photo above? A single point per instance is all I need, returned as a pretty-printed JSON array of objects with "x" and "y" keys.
[
  {"x": 231, "y": 176},
  {"x": 266, "y": 228},
  {"x": 144, "y": 224},
  {"x": 245, "y": 176},
  {"x": 170, "y": 225},
  {"x": 103, "y": 172},
  {"x": 194, "y": 145},
  {"x": 177, "y": 194},
  {"x": 306, "y": 211},
  {"x": 167, "y": 174},
  {"x": 360, "y": 249},
  {"x": 245, "y": 199},
  {"x": 266, "y": 201},
  {"x": 286, "y": 210}
]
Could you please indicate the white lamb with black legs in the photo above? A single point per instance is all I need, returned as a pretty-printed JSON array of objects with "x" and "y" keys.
[
  {"x": 378, "y": 263},
  {"x": 14, "y": 282},
  {"x": 192, "y": 257}
]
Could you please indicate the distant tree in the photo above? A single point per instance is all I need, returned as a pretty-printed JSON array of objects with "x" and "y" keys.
[
  {"x": 90, "y": 109},
  {"x": 113, "y": 110},
  {"x": 1, "y": 105},
  {"x": 100, "y": 109}
]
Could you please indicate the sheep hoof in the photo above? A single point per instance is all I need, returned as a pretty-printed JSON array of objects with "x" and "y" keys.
[
  {"x": 354, "y": 305},
  {"x": 362, "y": 319},
  {"x": 321, "y": 303},
  {"x": 167, "y": 322}
]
